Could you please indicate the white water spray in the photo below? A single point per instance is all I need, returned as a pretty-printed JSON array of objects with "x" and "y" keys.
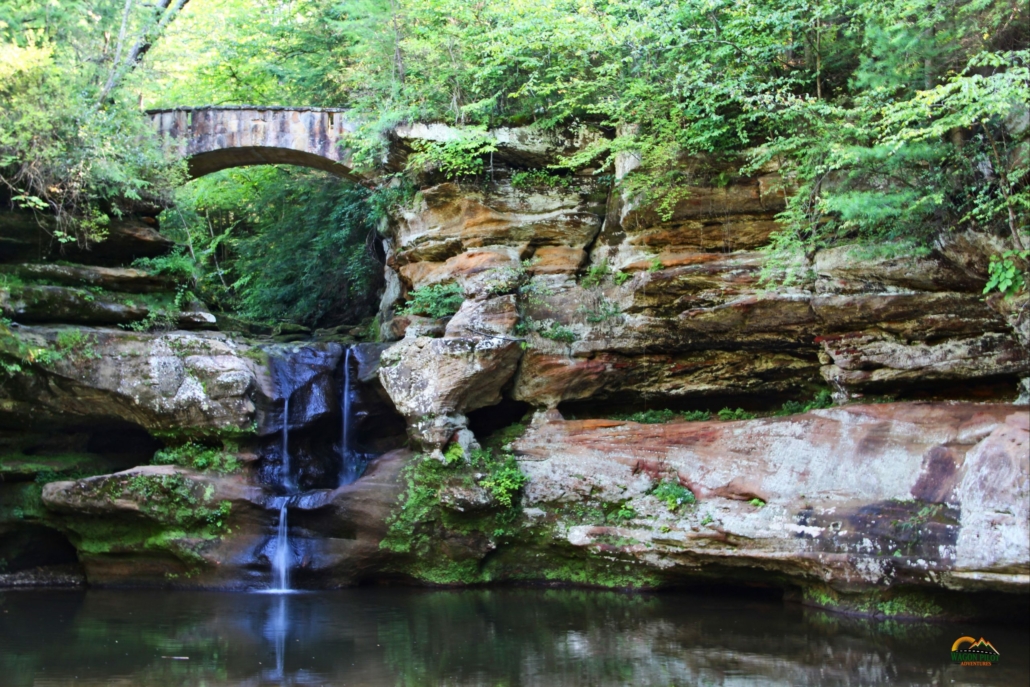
[
  {"x": 282, "y": 558},
  {"x": 285, "y": 476}
]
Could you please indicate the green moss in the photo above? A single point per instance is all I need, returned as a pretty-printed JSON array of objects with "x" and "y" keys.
[
  {"x": 198, "y": 457},
  {"x": 436, "y": 301},
  {"x": 673, "y": 494},
  {"x": 822, "y": 399},
  {"x": 727, "y": 414},
  {"x": 206, "y": 435},
  {"x": 21, "y": 501},
  {"x": 894, "y": 603}
]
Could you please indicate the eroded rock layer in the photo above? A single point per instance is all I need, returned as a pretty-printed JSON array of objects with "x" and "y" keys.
[{"x": 580, "y": 305}]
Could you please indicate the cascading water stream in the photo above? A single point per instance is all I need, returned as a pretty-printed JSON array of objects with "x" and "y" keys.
[
  {"x": 345, "y": 439},
  {"x": 285, "y": 477},
  {"x": 281, "y": 559},
  {"x": 352, "y": 461}
]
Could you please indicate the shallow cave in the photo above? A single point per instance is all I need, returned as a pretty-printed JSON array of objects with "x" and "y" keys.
[
  {"x": 29, "y": 546},
  {"x": 627, "y": 404},
  {"x": 76, "y": 450},
  {"x": 995, "y": 389},
  {"x": 485, "y": 421}
]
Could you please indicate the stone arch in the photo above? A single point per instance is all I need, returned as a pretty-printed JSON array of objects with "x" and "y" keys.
[{"x": 217, "y": 138}]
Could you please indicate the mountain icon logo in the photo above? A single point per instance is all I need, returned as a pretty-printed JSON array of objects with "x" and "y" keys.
[{"x": 978, "y": 652}]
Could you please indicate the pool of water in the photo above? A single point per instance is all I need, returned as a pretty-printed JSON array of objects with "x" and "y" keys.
[{"x": 389, "y": 636}]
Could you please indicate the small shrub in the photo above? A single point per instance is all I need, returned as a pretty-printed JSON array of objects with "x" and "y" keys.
[
  {"x": 621, "y": 277},
  {"x": 436, "y": 301},
  {"x": 1005, "y": 274},
  {"x": 174, "y": 498},
  {"x": 739, "y": 414},
  {"x": 823, "y": 399},
  {"x": 558, "y": 332},
  {"x": 504, "y": 480},
  {"x": 623, "y": 514},
  {"x": 176, "y": 264},
  {"x": 199, "y": 457},
  {"x": 605, "y": 310},
  {"x": 462, "y": 157},
  {"x": 673, "y": 494},
  {"x": 656, "y": 264},
  {"x": 696, "y": 415},
  {"x": 538, "y": 178},
  {"x": 77, "y": 344},
  {"x": 649, "y": 417},
  {"x": 454, "y": 454},
  {"x": 757, "y": 502},
  {"x": 595, "y": 275},
  {"x": 158, "y": 320}
]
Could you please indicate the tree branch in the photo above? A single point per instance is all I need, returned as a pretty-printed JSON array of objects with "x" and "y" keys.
[{"x": 164, "y": 12}]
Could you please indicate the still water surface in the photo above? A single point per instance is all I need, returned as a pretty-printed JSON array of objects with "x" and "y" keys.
[{"x": 376, "y": 636}]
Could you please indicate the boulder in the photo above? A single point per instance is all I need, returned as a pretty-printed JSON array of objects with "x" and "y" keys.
[
  {"x": 162, "y": 525},
  {"x": 177, "y": 383},
  {"x": 433, "y": 382}
]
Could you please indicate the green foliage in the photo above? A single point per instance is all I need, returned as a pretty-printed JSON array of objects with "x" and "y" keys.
[
  {"x": 1007, "y": 272},
  {"x": 76, "y": 344},
  {"x": 538, "y": 178},
  {"x": 601, "y": 310},
  {"x": 555, "y": 331},
  {"x": 727, "y": 414},
  {"x": 177, "y": 500},
  {"x": 435, "y": 301},
  {"x": 277, "y": 244},
  {"x": 673, "y": 494},
  {"x": 419, "y": 512},
  {"x": 455, "y": 159},
  {"x": 595, "y": 275},
  {"x": 649, "y": 417},
  {"x": 74, "y": 145},
  {"x": 823, "y": 399},
  {"x": 757, "y": 502},
  {"x": 176, "y": 264},
  {"x": 697, "y": 415},
  {"x": 624, "y": 513},
  {"x": 504, "y": 478},
  {"x": 193, "y": 455},
  {"x": 621, "y": 278},
  {"x": 453, "y": 454},
  {"x": 157, "y": 320}
]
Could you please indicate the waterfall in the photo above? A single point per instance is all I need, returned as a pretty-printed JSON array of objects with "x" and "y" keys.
[
  {"x": 345, "y": 439},
  {"x": 281, "y": 558},
  {"x": 352, "y": 462},
  {"x": 285, "y": 476}
]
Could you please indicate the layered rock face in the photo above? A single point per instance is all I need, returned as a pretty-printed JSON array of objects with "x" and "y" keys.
[
  {"x": 586, "y": 303},
  {"x": 614, "y": 303},
  {"x": 581, "y": 306},
  {"x": 856, "y": 498}
]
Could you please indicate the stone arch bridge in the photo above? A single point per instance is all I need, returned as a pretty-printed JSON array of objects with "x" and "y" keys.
[{"x": 216, "y": 138}]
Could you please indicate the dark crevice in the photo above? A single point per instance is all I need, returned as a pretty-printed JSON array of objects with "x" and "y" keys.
[{"x": 485, "y": 421}]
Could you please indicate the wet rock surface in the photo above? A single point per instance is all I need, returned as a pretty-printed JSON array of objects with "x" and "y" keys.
[{"x": 858, "y": 498}]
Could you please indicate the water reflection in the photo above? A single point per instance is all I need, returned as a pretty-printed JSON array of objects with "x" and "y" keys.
[{"x": 484, "y": 637}]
